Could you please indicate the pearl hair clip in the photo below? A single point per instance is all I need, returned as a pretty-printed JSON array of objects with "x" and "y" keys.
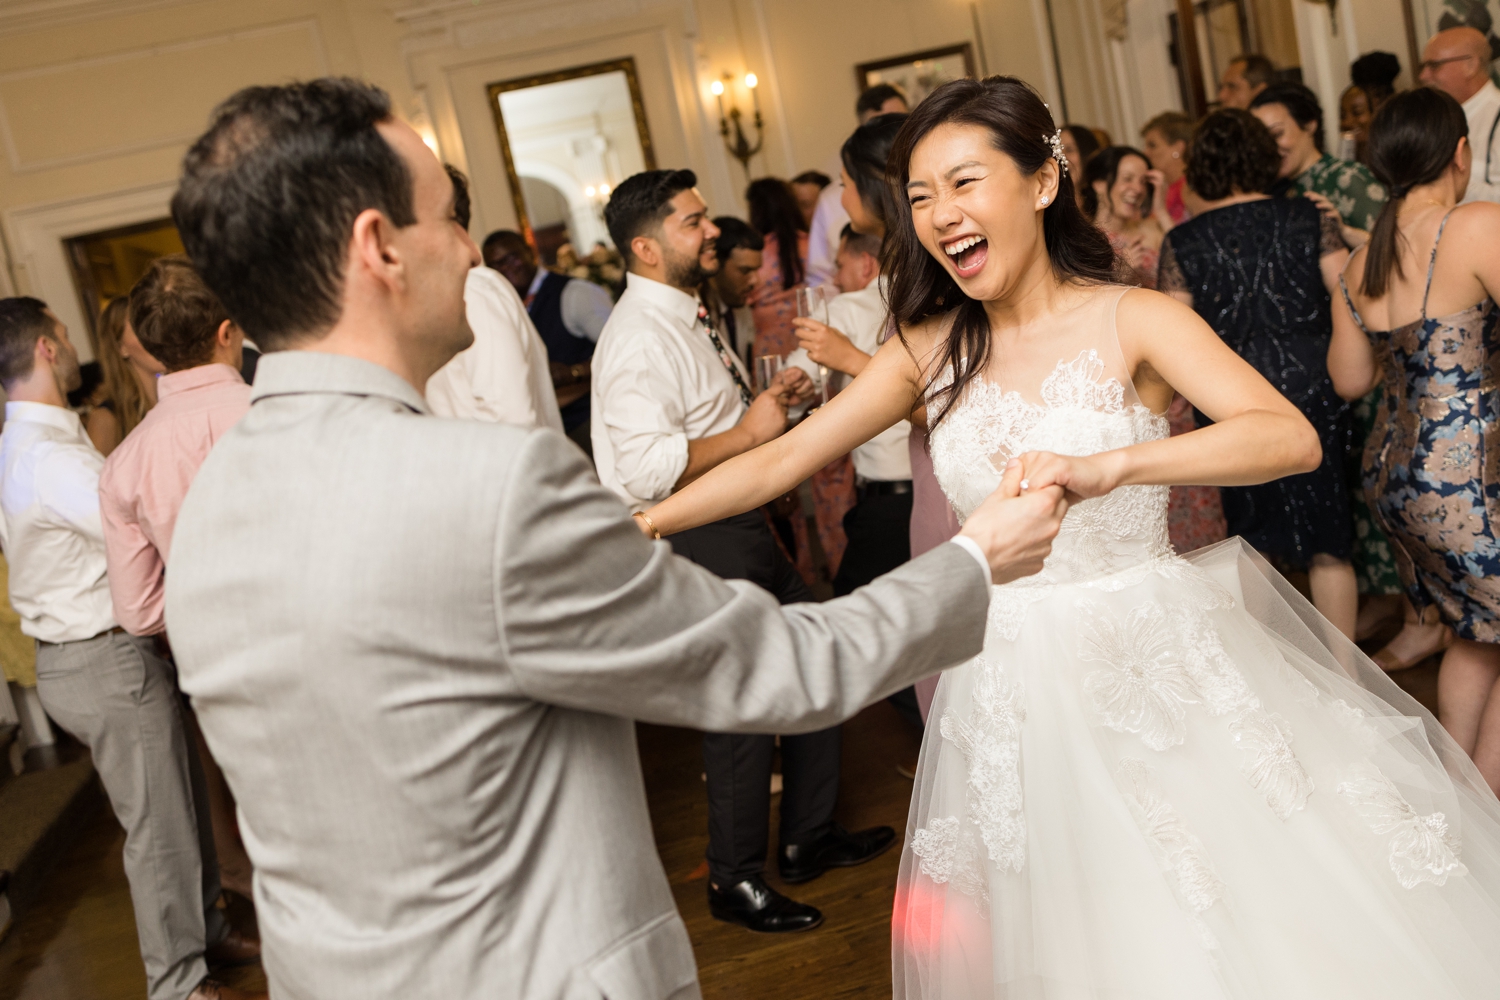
[{"x": 1055, "y": 141}]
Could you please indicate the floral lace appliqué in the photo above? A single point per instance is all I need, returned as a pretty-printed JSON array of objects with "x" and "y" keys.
[
  {"x": 991, "y": 744},
  {"x": 1178, "y": 849},
  {"x": 1422, "y": 848},
  {"x": 1269, "y": 763},
  {"x": 949, "y": 853},
  {"x": 1157, "y": 660}
]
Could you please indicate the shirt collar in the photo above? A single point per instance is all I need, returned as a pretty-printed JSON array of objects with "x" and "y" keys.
[
  {"x": 1484, "y": 95},
  {"x": 680, "y": 305},
  {"x": 292, "y": 373},
  {"x": 59, "y": 417},
  {"x": 536, "y": 282},
  {"x": 196, "y": 378}
]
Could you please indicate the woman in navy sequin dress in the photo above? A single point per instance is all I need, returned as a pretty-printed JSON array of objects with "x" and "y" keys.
[{"x": 1259, "y": 271}]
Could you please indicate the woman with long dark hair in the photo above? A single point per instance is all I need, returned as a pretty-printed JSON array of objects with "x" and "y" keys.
[
  {"x": 1120, "y": 189},
  {"x": 1427, "y": 321},
  {"x": 775, "y": 215},
  {"x": 1261, "y": 271},
  {"x": 1162, "y": 777}
]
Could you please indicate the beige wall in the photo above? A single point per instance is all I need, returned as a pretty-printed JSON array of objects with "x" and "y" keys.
[{"x": 99, "y": 98}]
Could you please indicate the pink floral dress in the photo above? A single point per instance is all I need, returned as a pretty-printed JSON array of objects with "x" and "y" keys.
[{"x": 774, "y": 308}]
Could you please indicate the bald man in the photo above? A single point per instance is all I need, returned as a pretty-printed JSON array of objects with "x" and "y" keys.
[{"x": 1457, "y": 62}]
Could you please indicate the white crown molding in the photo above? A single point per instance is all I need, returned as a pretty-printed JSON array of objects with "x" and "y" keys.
[
  {"x": 37, "y": 15},
  {"x": 464, "y": 24}
]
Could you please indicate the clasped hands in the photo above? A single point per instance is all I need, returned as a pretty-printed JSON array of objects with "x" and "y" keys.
[{"x": 1015, "y": 525}]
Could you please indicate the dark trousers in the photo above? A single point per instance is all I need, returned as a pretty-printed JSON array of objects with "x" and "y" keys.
[
  {"x": 879, "y": 531},
  {"x": 739, "y": 766}
]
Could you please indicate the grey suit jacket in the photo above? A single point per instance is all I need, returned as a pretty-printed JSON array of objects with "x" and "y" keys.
[{"x": 416, "y": 647}]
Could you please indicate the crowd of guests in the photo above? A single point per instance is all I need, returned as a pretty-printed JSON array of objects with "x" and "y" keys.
[{"x": 1321, "y": 270}]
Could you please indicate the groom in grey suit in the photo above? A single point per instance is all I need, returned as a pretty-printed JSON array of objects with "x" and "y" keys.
[{"x": 417, "y": 646}]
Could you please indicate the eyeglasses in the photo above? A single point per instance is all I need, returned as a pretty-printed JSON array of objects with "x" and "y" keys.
[{"x": 1431, "y": 64}]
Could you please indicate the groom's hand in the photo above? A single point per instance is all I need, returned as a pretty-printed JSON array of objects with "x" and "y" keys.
[{"x": 1016, "y": 531}]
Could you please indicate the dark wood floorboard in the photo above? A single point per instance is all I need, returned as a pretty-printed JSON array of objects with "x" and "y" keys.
[{"x": 78, "y": 942}]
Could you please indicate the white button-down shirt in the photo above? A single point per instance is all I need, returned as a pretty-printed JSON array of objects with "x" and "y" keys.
[
  {"x": 861, "y": 316},
  {"x": 1483, "y": 112},
  {"x": 50, "y": 526},
  {"x": 658, "y": 384},
  {"x": 503, "y": 377}
]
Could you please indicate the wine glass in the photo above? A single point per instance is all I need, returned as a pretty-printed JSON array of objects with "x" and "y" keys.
[
  {"x": 813, "y": 304},
  {"x": 767, "y": 367}
]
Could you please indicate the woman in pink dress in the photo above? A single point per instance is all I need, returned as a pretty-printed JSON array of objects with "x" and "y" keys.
[
  {"x": 1120, "y": 188},
  {"x": 774, "y": 214}
]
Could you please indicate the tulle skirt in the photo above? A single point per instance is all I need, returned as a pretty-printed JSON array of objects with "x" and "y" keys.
[{"x": 1186, "y": 785}]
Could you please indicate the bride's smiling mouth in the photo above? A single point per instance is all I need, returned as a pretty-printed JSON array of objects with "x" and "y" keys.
[{"x": 968, "y": 253}]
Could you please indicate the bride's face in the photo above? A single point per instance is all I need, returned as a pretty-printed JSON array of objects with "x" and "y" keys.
[{"x": 963, "y": 191}]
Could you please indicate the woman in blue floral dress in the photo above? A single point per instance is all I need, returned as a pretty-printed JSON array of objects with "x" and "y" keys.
[{"x": 1432, "y": 468}]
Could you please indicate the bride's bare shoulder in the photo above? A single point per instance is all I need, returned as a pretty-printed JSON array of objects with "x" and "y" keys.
[{"x": 924, "y": 339}]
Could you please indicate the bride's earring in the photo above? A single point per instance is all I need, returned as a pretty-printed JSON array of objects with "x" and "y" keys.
[{"x": 1044, "y": 201}]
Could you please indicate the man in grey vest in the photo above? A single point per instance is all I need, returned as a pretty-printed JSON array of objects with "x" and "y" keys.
[{"x": 417, "y": 646}]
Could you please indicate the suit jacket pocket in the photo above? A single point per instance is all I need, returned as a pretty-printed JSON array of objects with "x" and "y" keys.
[{"x": 653, "y": 962}]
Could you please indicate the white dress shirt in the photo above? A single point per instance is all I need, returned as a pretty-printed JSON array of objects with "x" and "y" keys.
[
  {"x": 50, "y": 526},
  {"x": 503, "y": 377},
  {"x": 823, "y": 233},
  {"x": 861, "y": 316},
  {"x": 658, "y": 384},
  {"x": 585, "y": 306},
  {"x": 1483, "y": 112}
]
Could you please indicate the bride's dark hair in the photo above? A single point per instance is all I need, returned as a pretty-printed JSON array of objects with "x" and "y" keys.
[{"x": 1021, "y": 127}]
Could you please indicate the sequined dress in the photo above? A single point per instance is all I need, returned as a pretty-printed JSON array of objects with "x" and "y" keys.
[
  {"x": 1433, "y": 473},
  {"x": 1253, "y": 272},
  {"x": 1168, "y": 778}
]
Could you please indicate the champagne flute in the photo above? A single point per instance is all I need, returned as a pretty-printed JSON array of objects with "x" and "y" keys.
[
  {"x": 812, "y": 303},
  {"x": 767, "y": 367}
]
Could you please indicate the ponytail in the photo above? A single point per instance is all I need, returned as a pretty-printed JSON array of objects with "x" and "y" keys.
[{"x": 1412, "y": 141}]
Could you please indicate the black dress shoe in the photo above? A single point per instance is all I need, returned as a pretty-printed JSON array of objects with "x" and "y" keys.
[
  {"x": 755, "y": 905},
  {"x": 838, "y": 848}
]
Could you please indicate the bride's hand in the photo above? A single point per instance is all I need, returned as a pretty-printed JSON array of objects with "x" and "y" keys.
[{"x": 1081, "y": 477}]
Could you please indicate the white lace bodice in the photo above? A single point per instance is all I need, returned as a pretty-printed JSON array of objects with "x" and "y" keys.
[{"x": 1082, "y": 412}]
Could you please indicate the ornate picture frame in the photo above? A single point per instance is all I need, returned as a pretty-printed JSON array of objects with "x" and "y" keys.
[
  {"x": 918, "y": 74},
  {"x": 494, "y": 90}
]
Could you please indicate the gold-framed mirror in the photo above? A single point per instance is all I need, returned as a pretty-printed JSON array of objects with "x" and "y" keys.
[{"x": 568, "y": 138}]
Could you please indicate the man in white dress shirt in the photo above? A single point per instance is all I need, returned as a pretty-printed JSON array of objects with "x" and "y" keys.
[
  {"x": 829, "y": 217},
  {"x": 568, "y": 313},
  {"x": 504, "y": 376},
  {"x": 111, "y": 690},
  {"x": 671, "y": 401},
  {"x": 1458, "y": 62}
]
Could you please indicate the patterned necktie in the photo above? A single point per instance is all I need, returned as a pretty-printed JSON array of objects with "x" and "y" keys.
[{"x": 734, "y": 371}]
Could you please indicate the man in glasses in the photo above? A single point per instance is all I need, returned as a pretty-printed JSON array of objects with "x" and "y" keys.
[{"x": 1457, "y": 62}]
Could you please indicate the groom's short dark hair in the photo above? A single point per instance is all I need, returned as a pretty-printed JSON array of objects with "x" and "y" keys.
[
  {"x": 269, "y": 196},
  {"x": 641, "y": 202}
]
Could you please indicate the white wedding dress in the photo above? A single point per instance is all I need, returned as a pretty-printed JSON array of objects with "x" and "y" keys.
[{"x": 1169, "y": 778}]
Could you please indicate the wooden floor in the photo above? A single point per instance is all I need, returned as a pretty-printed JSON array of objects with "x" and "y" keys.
[{"x": 79, "y": 942}]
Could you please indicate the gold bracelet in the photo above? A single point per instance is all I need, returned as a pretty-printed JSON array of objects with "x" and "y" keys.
[{"x": 650, "y": 524}]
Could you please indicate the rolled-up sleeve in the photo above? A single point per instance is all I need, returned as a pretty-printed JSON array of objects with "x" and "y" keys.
[{"x": 643, "y": 414}]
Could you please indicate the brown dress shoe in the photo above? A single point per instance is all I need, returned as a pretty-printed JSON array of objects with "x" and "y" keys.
[
  {"x": 210, "y": 989},
  {"x": 233, "y": 949}
]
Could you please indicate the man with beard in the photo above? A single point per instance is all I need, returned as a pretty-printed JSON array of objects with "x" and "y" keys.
[
  {"x": 113, "y": 691},
  {"x": 670, "y": 402}
]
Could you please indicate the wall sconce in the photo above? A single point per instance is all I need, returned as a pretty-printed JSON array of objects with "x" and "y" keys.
[{"x": 740, "y": 148}]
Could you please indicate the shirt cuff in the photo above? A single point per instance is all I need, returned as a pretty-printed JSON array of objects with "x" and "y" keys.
[{"x": 972, "y": 548}]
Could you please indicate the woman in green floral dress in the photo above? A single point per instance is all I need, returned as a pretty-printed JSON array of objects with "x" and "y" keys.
[{"x": 1349, "y": 192}]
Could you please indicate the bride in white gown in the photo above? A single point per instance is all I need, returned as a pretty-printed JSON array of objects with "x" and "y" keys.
[{"x": 1164, "y": 778}]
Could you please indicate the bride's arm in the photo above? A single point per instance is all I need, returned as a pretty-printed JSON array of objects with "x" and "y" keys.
[
  {"x": 884, "y": 392},
  {"x": 1257, "y": 435}
]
